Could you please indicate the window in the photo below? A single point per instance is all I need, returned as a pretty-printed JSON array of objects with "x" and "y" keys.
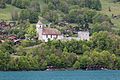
[
  {"x": 51, "y": 36},
  {"x": 56, "y": 36},
  {"x": 46, "y": 36}
]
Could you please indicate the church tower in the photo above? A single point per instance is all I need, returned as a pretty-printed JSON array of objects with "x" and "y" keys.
[{"x": 39, "y": 29}]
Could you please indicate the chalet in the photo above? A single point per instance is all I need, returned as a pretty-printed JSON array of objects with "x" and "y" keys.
[{"x": 44, "y": 33}]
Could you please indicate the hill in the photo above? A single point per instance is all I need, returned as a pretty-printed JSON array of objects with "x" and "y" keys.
[
  {"x": 115, "y": 9},
  {"x": 5, "y": 13},
  {"x": 21, "y": 49},
  {"x": 106, "y": 4}
]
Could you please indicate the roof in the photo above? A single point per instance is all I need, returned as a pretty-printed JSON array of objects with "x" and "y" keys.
[
  {"x": 51, "y": 31},
  {"x": 12, "y": 37},
  {"x": 40, "y": 23},
  {"x": 83, "y": 32},
  {"x": 4, "y": 25}
]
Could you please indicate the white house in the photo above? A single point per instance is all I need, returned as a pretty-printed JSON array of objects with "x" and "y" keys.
[
  {"x": 47, "y": 33},
  {"x": 84, "y": 35}
]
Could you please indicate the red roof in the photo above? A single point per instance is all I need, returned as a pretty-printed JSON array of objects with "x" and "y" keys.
[
  {"x": 51, "y": 31},
  {"x": 12, "y": 37},
  {"x": 4, "y": 25}
]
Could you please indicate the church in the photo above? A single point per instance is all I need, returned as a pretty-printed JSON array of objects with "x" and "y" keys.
[{"x": 45, "y": 33}]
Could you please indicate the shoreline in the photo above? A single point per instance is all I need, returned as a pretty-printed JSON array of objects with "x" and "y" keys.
[{"x": 57, "y": 70}]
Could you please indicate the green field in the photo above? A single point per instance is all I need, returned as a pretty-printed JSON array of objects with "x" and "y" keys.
[
  {"x": 115, "y": 9},
  {"x": 106, "y": 4},
  {"x": 6, "y": 13}
]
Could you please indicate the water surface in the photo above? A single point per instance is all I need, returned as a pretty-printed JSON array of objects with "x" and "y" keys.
[{"x": 61, "y": 75}]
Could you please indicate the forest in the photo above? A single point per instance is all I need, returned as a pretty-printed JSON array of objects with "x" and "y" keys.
[{"x": 102, "y": 51}]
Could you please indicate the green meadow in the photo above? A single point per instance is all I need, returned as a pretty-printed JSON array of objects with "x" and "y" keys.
[
  {"x": 106, "y": 4},
  {"x": 6, "y": 13},
  {"x": 115, "y": 9}
]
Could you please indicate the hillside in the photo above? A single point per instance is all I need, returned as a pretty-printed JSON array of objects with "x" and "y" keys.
[
  {"x": 106, "y": 4},
  {"x": 115, "y": 9},
  {"x": 6, "y": 13},
  {"x": 70, "y": 34}
]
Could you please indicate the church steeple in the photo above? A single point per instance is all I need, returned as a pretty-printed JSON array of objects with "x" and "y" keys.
[
  {"x": 39, "y": 29},
  {"x": 40, "y": 24}
]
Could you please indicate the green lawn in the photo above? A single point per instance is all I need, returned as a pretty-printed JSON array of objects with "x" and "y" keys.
[
  {"x": 6, "y": 13},
  {"x": 115, "y": 9}
]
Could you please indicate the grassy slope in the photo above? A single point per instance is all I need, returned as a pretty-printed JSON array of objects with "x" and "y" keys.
[
  {"x": 115, "y": 9},
  {"x": 6, "y": 13}
]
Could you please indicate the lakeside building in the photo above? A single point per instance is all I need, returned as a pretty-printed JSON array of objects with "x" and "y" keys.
[
  {"x": 84, "y": 35},
  {"x": 47, "y": 33},
  {"x": 44, "y": 34}
]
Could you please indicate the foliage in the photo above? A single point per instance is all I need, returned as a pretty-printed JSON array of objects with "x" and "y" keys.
[
  {"x": 2, "y": 4},
  {"x": 106, "y": 41},
  {"x": 103, "y": 49},
  {"x": 7, "y": 47},
  {"x": 4, "y": 60}
]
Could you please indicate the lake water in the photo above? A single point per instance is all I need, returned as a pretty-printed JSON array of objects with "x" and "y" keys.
[{"x": 61, "y": 75}]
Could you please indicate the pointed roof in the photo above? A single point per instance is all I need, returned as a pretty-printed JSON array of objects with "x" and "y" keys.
[{"x": 40, "y": 23}]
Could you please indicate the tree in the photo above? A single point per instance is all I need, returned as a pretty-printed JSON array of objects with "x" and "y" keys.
[
  {"x": 76, "y": 65},
  {"x": 74, "y": 14},
  {"x": 105, "y": 41},
  {"x": 51, "y": 16},
  {"x": 8, "y": 1},
  {"x": 13, "y": 65},
  {"x": 43, "y": 65},
  {"x": 53, "y": 60},
  {"x": 85, "y": 61},
  {"x": 34, "y": 6},
  {"x": 7, "y": 47},
  {"x": 23, "y": 63},
  {"x": 117, "y": 64},
  {"x": 24, "y": 15},
  {"x": 64, "y": 6},
  {"x": 109, "y": 59},
  {"x": 21, "y": 3},
  {"x": 14, "y": 15},
  {"x": 100, "y": 18},
  {"x": 104, "y": 26},
  {"x": 27, "y": 43},
  {"x": 92, "y": 4},
  {"x": 4, "y": 60},
  {"x": 33, "y": 17},
  {"x": 74, "y": 46},
  {"x": 31, "y": 32},
  {"x": 102, "y": 40},
  {"x": 2, "y": 4},
  {"x": 96, "y": 4}
]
